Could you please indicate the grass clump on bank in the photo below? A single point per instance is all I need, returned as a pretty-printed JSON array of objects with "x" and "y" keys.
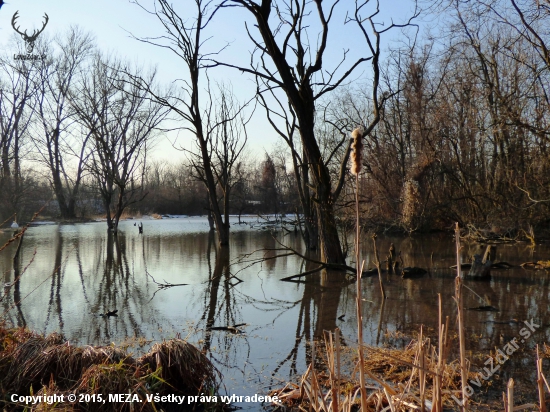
[{"x": 32, "y": 364}]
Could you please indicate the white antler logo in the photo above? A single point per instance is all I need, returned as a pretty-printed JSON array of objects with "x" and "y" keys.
[{"x": 29, "y": 40}]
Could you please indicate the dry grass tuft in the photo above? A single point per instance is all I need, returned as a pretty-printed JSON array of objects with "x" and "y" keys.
[
  {"x": 398, "y": 365},
  {"x": 31, "y": 363},
  {"x": 183, "y": 365}
]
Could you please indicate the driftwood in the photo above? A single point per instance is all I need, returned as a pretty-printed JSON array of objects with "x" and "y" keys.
[
  {"x": 109, "y": 313},
  {"x": 481, "y": 267},
  {"x": 484, "y": 309},
  {"x": 494, "y": 266},
  {"x": 162, "y": 286},
  {"x": 232, "y": 329},
  {"x": 370, "y": 272},
  {"x": 413, "y": 272},
  {"x": 485, "y": 236},
  {"x": 538, "y": 265}
]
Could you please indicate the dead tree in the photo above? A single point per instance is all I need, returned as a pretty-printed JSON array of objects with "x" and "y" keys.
[
  {"x": 481, "y": 266},
  {"x": 185, "y": 39},
  {"x": 287, "y": 61}
]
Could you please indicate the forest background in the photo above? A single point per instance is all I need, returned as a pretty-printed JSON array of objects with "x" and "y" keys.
[{"x": 453, "y": 98}]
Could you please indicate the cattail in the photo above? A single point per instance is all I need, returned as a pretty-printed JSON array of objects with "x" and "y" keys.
[{"x": 357, "y": 147}]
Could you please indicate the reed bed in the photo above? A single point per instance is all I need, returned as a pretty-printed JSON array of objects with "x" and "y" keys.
[
  {"x": 417, "y": 378},
  {"x": 34, "y": 364},
  {"x": 403, "y": 377}
]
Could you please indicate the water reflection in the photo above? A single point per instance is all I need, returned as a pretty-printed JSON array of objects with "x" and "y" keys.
[{"x": 76, "y": 272}]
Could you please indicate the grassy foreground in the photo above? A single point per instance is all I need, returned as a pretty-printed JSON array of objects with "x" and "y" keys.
[{"x": 31, "y": 364}]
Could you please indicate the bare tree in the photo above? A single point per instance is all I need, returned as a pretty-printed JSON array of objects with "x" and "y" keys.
[
  {"x": 225, "y": 126},
  {"x": 227, "y": 138},
  {"x": 59, "y": 141},
  {"x": 16, "y": 91},
  {"x": 185, "y": 39},
  {"x": 286, "y": 60},
  {"x": 123, "y": 123}
]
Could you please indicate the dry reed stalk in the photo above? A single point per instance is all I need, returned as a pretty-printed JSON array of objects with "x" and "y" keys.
[
  {"x": 378, "y": 330},
  {"x": 540, "y": 384},
  {"x": 460, "y": 309},
  {"x": 357, "y": 145},
  {"x": 338, "y": 349},
  {"x": 6, "y": 221},
  {"x": 312, "y": 389},
  {"x": 510, "y": 395},
  {"x": 361, "y": 355},
  {"x": 437, "y": 401},
  {"x": 421, "y": 370},
  {"x": 377, "y": 263},
  {"x": 331, "y": 364},
  {"x": 24, "y": 228}
]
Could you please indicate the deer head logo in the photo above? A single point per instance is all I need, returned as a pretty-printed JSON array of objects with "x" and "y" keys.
[{"x": 29, "y": 40}]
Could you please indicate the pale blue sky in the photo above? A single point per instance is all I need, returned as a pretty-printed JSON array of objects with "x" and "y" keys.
[{"x": 111, "y": 20}]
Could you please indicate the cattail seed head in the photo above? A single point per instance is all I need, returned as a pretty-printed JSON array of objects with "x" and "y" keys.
[{"x": 357, "y": 150}]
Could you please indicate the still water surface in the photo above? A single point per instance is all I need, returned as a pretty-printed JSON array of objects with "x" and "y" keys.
[{"x": 75, "y": 272}]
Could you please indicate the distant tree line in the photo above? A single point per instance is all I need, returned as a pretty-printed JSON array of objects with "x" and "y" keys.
[
  {"x": 455, "y": 129},
  {"x": 262, "y": 186}
]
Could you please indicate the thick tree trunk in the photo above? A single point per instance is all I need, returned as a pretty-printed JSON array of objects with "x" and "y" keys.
[
  {"x": 107, "y": 204},
  {"x": 118, "y": 210},
  {"x": 481, "y": 267},
  {"x": 311, "y": 235},
  {"x": 60, "y": 195},
  {"x": 329, "y": 241},
  {"x": 6, "y": 161},
  {"x": 222, "y": 229}
]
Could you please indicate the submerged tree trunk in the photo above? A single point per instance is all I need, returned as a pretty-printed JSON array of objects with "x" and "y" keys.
[
  {"x": 329, "y": 241},
  {"x": 221, "y": 228},
  {"x": 481, "y": 267}
]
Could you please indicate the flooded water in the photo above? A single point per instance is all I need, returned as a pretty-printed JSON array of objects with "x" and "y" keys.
[{"x": 69, "y": 274}]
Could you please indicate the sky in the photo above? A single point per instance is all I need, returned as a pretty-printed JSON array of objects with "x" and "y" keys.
[{"x": 113, "y": 22}]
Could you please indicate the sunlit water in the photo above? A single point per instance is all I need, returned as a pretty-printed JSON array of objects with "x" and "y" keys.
[{"x": 69, "y": 274}]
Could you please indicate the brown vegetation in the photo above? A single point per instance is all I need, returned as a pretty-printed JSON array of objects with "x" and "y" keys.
[{"x": 31, "y": 363}]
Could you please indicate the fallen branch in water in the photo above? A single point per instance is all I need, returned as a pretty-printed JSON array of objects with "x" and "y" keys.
[
  {"x": 299, "y": 275},
  {"x": 166, "y": 284},
  {"x": 288, "y": 251},
  {"x": 233, "y": 329}
]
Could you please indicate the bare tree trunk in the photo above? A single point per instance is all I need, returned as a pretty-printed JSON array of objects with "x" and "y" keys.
[
  {"x": 329, "y": 241},
  {"x": 221, "y": 229}
]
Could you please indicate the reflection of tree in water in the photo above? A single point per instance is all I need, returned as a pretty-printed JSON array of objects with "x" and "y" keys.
[
  {"x": 222, "y": 303},
  {"x": 221, "y": 310},
  {"x": 21, "y": 322},
  {"x": 318, "y": 312},
  {"x": 117, "y": 290},
  {"x": 14, "y": 283},
  {"x": 317, "y": 309},
  {"x": 112, "y": 285},
  {"x": 54, "y": 303}
]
